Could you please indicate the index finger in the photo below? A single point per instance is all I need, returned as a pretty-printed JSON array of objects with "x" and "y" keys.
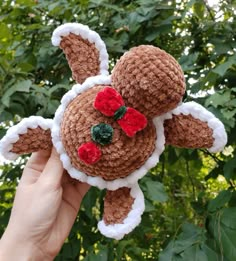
[
  {"x": 52, "y": 173},
  {"x": 34, "y": 166}
]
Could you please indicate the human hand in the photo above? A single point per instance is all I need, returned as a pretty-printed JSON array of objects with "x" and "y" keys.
[{"x": 45, "y": 207}]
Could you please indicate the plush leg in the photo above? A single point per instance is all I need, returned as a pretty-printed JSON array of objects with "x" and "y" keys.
[{"x": 122, "y": 211}]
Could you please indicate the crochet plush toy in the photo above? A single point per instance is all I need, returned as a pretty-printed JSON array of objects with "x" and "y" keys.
[{"x": 111, "y": 129}]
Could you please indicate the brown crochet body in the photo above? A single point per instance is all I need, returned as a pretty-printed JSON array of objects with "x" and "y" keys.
[
  {"x": 117, "y": 205},
  {"x": 188, "y": 132},
  {"x": 34, "y": 140},
  {"x": 82, "y": 56},
  {"x": 121, "y": 157},
  {"x": 149, "y": 79}
]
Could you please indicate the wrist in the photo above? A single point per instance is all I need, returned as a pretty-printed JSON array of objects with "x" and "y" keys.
[{"x": 13, "y": 248}]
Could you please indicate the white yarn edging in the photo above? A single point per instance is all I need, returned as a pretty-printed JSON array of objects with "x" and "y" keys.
[
  {"x": 118, "y": 231},
  {"x": 98, "y": 181},
  {"x": 199, "y": 112},
  {"x": 87, "y": 34},
  {"x": 12, "y": 135}
]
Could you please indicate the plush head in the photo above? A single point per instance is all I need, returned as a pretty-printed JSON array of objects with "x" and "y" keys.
[
  {"x": 150, "y": 80},
  {"x": 111, "y": 129}
]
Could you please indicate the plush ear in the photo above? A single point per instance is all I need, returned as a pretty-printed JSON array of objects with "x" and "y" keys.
[
  {"x": 122, "y": 211},
  {"x": 192, "y": 126},
  {"x": 30, "y": 135},
  {"x": 84, "y": 49}
]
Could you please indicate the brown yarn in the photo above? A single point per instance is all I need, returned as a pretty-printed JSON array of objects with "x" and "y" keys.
[
  {"x": 149, "y": 79},
  {"x": 34, "y": 140},
  {"x": 121, "y": 157},
  {"x": 117, "y": 205},
  {"x": 82, "y": 56},
  {"x": 188, "y": 132}
]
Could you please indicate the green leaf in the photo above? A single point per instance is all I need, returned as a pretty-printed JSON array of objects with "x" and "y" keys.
[
  {"x": 134, "y": 20},
  {"x": 187, "y": 246},
  {"x": 5, "y": 32},
  {"x": 2, "y": 132},
  {"x": 67, "y": 251},
  {"x": 194, "y": 253},
  {"x": 52, "y": 106},
  {"x": 26, "y": 67},
  {"x": 199, "y": 9},
  {"x": 222, "y": 47},
  {"x": 26, "y": 2},
  {"x": 219, "y": 202},
  {"x": 218, "y": 99},
  {"x": 102, "y": 255},
  {"x": 228, "y": 114},
  {"x": 5, "y": 116},
  {"x": 228, "y": 217},
  {"x": 222, "y": 68},
  {"x": 153, "y": 35},
  {"x": 155, "y": 191},
  {"x": 230, "y": 168},
  {"x": 190, "y": 235},
  {"x": 20, "y": 86},
  {"x": 211, "y": 254},
  {"x": 168, "y": 253},
  {"x": 122, "y": 246},
  {"x": 149, "y": 206},
  {"x": 222, "y": 228},
  {"x": 187, "y": 62}
]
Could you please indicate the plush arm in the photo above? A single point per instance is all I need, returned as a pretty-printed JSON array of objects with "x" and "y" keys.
[
  {"x": 30, "y": 135},
  {"x": 122, "y": 211},
  {"x": 192, "y": 126}
]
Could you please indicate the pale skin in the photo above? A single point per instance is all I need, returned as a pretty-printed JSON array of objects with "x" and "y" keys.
[{"x": 46, "y": 204}]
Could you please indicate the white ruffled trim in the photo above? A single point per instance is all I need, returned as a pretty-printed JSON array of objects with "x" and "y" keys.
[
  {"x": 199, "y": 112},
  {"x": 98, "y": 181},
  {"x": 12, "y": 135},
  {"x": 117, "y": 231},
  {"x": 87, "y": 34}
]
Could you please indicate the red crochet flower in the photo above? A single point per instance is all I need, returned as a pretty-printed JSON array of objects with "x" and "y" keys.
[
  {"x": 108, "y": 101},
  {"x": 89, "y": 153},
  {"x": 132, "y": 122}
]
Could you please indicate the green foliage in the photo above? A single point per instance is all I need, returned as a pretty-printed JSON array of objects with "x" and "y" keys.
[
  {"x": 190, "y": 195},
  {"x": 154, "y": 190}
]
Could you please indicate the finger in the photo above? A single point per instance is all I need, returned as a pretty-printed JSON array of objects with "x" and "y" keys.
[
  {"x": 52, "y": 173},
  {"x": 82, "y": 188},
  {"x": 72, "y": 197},
  {"x": 34, "y": 167},
  {"x": 73, "y": 191},
  {"x": 66, "y": 178}
]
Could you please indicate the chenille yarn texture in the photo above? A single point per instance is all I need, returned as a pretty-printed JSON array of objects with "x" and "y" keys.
[{"x": 144, "y": 92}]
